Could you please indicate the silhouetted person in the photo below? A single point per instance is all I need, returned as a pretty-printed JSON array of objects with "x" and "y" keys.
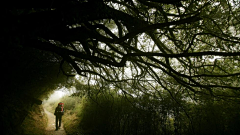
[{"x": 59, "y": 111}]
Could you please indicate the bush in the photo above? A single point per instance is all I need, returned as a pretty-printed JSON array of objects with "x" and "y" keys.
[
  {"x": 109, "y": 114},
  {"x": 70, "y": 118},
  {"x": 70, "y": 102}
]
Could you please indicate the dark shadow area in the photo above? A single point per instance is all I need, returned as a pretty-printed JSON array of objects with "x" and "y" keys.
[{"x": 28, "y": 76}]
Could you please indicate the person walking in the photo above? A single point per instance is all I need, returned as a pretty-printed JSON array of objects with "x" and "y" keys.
[{"x": 59, "y": 111}]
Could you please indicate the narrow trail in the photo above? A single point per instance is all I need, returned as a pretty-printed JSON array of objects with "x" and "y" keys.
[{"x": 50, "y": 130}]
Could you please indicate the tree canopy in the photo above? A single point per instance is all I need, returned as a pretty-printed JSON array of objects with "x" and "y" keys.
[
  {"x": 173, "y": 64},
  {"x": 139, "y": 46}
]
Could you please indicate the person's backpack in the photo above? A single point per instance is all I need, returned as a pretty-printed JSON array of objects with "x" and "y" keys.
[
  {"x": 60, "y": 108},
  {"x": 61, "y": 105}
]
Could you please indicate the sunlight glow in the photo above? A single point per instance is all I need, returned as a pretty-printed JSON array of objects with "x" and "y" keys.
[
  {"x": 56, "y": 95},
  {"x": 59, "y": 93}
]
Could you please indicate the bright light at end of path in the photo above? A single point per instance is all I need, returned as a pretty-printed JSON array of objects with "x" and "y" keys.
[
  {"x": 56, "y": 95},
  {"x": 59, "y": 93}
]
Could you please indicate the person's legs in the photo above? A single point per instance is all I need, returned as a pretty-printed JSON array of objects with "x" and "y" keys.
[
  {"x": 57, "y": 122},
  {"x": 60, "y": 121}
]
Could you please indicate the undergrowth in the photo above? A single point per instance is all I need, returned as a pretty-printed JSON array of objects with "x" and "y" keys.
[{"x": 36, "y": 121}]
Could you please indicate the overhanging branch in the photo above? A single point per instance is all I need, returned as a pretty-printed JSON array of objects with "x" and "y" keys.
[{"x": 194, "y": 54}]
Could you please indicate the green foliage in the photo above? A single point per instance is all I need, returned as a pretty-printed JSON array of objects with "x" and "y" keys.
[
  {"x": 216, "y": 117},
  {"x": 70, "y": 102},
  {"x": 72, "y": 106},
  {"x": 109, "y": 113}
]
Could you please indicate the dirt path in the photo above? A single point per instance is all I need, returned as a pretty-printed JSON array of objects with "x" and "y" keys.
[{"x": 50, "y": 130}]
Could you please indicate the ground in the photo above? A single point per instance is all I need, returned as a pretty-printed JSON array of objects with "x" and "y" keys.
[{"x": 50, "y": 130}]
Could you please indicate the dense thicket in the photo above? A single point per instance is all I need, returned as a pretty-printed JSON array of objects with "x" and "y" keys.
[{"x": 109, "y": 113}]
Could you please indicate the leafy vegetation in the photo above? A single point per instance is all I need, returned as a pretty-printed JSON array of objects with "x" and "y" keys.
[{"x": 116, "y": 113}]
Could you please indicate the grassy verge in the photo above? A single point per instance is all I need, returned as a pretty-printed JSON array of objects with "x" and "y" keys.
[
  {"x": 71, "y": 122},
  {"x": 36, "y": 121},
  {"x": 70, "y": 118}
]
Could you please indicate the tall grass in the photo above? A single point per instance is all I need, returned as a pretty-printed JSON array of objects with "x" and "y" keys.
[
  {"x": 108, "y": 113},
  {"x": 72, "y": 106},
  {"x": 36, "y": 121},
  {"x": 113, "y": 114}
]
